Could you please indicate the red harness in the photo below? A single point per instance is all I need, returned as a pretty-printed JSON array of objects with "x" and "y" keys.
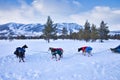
[
  {"x": 83, "y": 48},
  {"x": 58, "y": 49}
]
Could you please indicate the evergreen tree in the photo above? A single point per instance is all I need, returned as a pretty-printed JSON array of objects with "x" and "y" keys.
[
  {"x": 103, "y": 31},
  {"x": 74, "y": 35},
  {"x": 64, "y": 31},
  {"x": 80, "y": 34},
  {"x": 70, "y": 34},
  {"x": 94, "y": 33},
  {"x": 50, "y": 30},
  {"x": 87, "y": 31}
]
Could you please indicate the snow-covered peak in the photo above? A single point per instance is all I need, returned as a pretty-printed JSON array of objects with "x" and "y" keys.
[
  {"x": 34, "y": 29},
  {"x": 69, "y": 26},
  {"x": 114, "y": 32}
]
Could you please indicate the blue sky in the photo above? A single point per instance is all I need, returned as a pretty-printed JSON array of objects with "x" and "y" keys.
[{"x": 76, "y": 11}]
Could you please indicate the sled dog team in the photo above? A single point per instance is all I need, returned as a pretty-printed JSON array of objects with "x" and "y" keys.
[{"x": 20, "y": 51}]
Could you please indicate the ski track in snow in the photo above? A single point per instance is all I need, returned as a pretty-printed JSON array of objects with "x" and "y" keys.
[{"x": 103, "y": 65}]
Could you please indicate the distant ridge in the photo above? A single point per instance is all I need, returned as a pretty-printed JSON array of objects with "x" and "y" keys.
[
  {"x": 15, "y": 29},
  {"x": 114, "y": 32}
]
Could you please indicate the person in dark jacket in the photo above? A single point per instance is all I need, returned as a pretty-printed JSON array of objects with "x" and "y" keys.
[{"x": 85, "y": 49}]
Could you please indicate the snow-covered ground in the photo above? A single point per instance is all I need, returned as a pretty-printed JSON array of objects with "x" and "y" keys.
[{"x": 38, "y": 65}]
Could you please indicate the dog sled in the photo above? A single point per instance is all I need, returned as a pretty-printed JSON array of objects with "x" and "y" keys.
[{"x": 116, "y": 49}]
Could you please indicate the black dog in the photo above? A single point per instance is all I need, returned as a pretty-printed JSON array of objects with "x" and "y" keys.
[{"x": 20, "y": 52}]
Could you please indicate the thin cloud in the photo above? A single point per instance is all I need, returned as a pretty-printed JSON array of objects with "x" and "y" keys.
[
  {"x": 51, "y": 7},
  {"x": 77, "y": 3},
  {"x": 23, "y": 14},
  {"x": 97, "y": 14},
  {"x": 39, "y": 10},
  {"x": 60, "y": 11}
]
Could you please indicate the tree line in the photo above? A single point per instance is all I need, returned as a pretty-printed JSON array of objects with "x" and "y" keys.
[{"x": 89, "y": 33}]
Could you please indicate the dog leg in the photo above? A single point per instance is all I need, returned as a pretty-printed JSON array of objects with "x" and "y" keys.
[
  {"x": 23, "y": 60},
  {"x": 56, "y": 57},
  {"x": 84, "y": 53},
  {"x": 89, "y": 54},
  {"x": 19, "y": 59},
  {"x": 59, "y": 57},
  {"x": 52, "y": 56}
]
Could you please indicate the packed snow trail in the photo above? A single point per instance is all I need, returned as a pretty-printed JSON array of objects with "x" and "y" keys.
[{"x": 38, "y": 65}]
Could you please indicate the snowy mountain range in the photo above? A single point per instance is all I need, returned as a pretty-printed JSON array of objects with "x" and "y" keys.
[
  {"x": 114, "y": 33},
  {"x": 15, "y": 29}
]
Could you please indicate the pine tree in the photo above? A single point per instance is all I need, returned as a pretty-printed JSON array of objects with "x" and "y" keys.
[
  {"x": 80, "y": 34},
  {"x": 94, "y": 33},
  {"x": 49, "y": 31},
  {"x": 74, "y": 35},
  {"x": 87, "y": 31},
  {"x": 70, "y": 34},
  {"x": 64, "y": 31},
  {"x": 103, "y": 31}
]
